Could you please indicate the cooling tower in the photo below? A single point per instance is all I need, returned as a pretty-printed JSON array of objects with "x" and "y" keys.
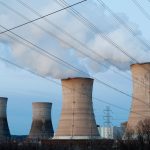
[
  {"x": 77, "y": 117},
  {"x": 141, "y": 94},
  {"x": 41, "y": 121},
  {"x": 4, "y": 129}
]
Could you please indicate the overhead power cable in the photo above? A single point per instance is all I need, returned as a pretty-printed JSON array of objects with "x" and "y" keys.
[
  {"x": 93, "y": 28},
  {"x": 86, "y": 22},
  {"x": 83, "y": 20},
  {"x": 87, "y": 48},
  {"x": 71, "y": 37},
  {"x": 49, "y": 32},
  {"x": 144, "y": 12},
  {"x": 122, "y": 22},
  {"x": 110, "y": 87},
  {"x": 97, "y": 31},
  {"x": 60, "y": 61},
  {"x": 43, "y": 16},
  {"x": 95, "y": 79},
  {"x": 90, "y": 25},
  {"x": 63, "y": 41},
  {"x": 42, "y": 76}
]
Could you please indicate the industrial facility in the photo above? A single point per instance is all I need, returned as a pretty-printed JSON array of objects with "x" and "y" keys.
[
  {"x": 4, "y": 129},
  {"x": 77, "y": 118},
  {"x": 42, "y": 127},
  {"x": 140, "y": 108},
  {"x": 77, "y": 122},
  {"x": 112, "y": 132},
  {"x": 74, "y": 75}
]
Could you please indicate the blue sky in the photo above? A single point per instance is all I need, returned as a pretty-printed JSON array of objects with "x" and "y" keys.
[{"x": 22, "y": 88}]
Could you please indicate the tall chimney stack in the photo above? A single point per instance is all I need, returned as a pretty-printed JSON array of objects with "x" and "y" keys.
[
  {"x": 77, "y": 117},
  {"x": 4, "y": 129},
  {"x": 141, "y": 94},
  {"x": 41, "y": 121}
]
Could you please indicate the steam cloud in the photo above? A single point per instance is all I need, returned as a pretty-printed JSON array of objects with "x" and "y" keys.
[{"x": 46, "y": 66}]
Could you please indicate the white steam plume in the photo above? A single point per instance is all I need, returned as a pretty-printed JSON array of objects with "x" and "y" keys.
[{"x": 69, "y": 51}]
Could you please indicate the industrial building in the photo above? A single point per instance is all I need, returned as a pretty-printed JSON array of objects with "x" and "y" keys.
[
  {"x": 140, "y": 108},
  {"x": 77, "y": 118},
  {"x": 4, "y": 129},
  {"x": 42, "y": 127},
  {"x": 112, "y": 132}
]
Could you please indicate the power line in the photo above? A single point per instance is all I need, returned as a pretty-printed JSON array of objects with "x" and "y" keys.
[
  {"x": 75, "y": 68},
  {"x": 97, "y": 31},
  {"x": 43, "y": 16},
  {"x": 90, "y": 25},
  {"x": 61, "y": 39},
  {"x": 122, "y": 22},
  {"x": 32, "y": 72},
  {"x": 27, "y": 6},
  {"x": 37, "y": 74},
  {"x": 118, "y": 19},
  {"x": 144, "y": 12},
  {"x": 73, "y": 38},
  {"x": 66, "y": 33},
  {"x": 86, "y": 22},
  {"x": 114, "y": 15},
  {"x": 46, "y": 53},
  {"x": 26, "y": 69},
  {"x": 31, "y": 9},
  {"x": 101, "y": 82},
  {"x": 70, "y": 36}
]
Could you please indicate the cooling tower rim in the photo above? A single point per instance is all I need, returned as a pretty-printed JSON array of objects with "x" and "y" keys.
[
  {"x": 3, "y": 98},
  {"x": 47, "y": 103},
  {"x": 72, "y": 78},
  {"x": 144, "y": 63}
]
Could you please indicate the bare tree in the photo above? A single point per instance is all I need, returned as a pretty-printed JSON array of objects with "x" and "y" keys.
[
  {"x": 143, "y": 130},
  {"x": 129, "y": 134}
]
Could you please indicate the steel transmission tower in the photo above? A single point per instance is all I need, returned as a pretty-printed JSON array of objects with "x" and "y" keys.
[{"x": 107, "y": 121}]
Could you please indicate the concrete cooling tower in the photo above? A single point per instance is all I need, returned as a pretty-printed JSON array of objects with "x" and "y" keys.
[
  {"x": 41, "y": 121},
  {"x": 4, "y": 129},
  {"x": 141, "y": 94},
  {"x": 77, "y": 117}
]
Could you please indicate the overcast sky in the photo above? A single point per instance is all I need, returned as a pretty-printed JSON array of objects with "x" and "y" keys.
[{"x": 22, "y": 88}]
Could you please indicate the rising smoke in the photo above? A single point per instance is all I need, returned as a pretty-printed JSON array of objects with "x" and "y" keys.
[{"x": 65, "y": 48}]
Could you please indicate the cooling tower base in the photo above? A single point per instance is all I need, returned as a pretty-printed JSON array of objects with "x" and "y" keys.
[{"x": 76, "y": 137}]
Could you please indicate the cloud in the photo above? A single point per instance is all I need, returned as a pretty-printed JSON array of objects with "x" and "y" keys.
[{"x": 59, "y": 44}]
